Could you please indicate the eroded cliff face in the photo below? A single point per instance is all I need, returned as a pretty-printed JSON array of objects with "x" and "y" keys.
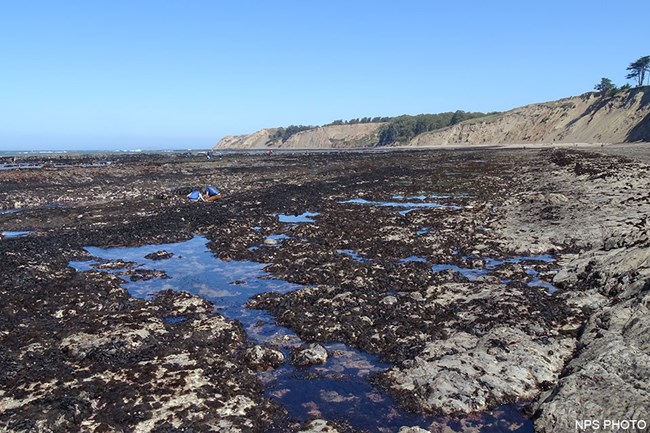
[
  {"x": 324, "y": 137},
  {"x": 581, "y": 119},
  {"x": 256, "y": 140},
  {"x": 336, "y": 136},
  {"x": 586, "y": 118}
]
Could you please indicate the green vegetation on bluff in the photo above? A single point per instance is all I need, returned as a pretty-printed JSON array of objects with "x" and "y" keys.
[
  {"x": 404, "y": 128},
  {"x": 396, "y": 129},
  {"x": 360, "y": 120},
  {"x": 283, "y": 134},
  {"x": 639, "y": 70}
]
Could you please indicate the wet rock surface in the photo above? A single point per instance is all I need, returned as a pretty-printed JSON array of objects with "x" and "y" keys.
[
  {"x": 260, "y": 357},
  {"x": 159, "y": 255},
  {"x": 609, "y": 278},
  {"x": 310, "y": 355},
  {"x": 429, "y": 288},
  {"x": 319, "y": 426}
]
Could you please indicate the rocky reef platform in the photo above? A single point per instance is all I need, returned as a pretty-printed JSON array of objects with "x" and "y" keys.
[{"x": 481, "y": 279}]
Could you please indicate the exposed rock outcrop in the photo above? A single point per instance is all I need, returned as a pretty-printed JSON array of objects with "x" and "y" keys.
[
  {"x": 260, "y": 357},
  {"x": 311, "y": 355},
  {"x": 605, "y": 217},
  {"x": 79, "y": 353}
]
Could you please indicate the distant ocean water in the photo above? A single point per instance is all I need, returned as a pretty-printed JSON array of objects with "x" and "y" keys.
[
  {"x": 24, "y": 153},
  {"x": 63, "y": 153}
]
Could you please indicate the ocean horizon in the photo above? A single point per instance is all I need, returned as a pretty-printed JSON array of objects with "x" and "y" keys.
[{"x": 10, "y": 153}]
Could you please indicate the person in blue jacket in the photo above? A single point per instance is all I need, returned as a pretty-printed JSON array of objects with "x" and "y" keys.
[{"x": 211, "y": 194}]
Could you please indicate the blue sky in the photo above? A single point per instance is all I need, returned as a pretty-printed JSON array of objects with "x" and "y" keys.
[{"x": 182, "y": 74}]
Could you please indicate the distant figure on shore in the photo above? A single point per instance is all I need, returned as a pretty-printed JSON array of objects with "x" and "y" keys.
[{"x": 270, "y": 152}]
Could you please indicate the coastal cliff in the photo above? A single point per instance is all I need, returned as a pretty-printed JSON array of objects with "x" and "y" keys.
[
  {"x": 324, "y": 137},
  {"x": 588, "y": 118}
]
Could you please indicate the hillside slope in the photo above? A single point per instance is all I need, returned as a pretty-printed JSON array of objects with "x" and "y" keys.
[
  {"x": 581, "y": 119},
  {"x": 256, "y": 140},
  {"x": 587, "y": 118},
  {"x": 324, "y": 137}
]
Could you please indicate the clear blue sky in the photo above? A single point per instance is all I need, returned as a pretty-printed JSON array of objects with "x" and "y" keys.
[{"x": 133, "y": 74}]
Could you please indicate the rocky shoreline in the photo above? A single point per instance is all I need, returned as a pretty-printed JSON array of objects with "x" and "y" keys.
[{"x": 440, "y": 262}]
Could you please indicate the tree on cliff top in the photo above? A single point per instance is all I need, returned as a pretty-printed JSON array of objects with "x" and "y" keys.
[
  {"x": 605, "y": 87},
  {"x": 639, "y": 69}
]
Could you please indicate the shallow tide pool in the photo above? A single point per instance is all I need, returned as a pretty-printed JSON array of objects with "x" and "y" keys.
[
  {"x": 338, "y": 390},
  {"x": 406, "y": 206},
  {"x": 19, "y": 166},
  {"x": 306, "y": 217},
  {"x": 16, "y": 234}
]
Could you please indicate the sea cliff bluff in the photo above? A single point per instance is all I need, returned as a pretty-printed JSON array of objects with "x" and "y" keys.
[
  {"x": 324, "y": 137},
  {"x": 588, "y": 118},
  {"x": 581, "y": 119}
]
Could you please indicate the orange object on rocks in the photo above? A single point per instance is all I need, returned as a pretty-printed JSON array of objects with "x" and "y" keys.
[
  {"x": 211, "y": 198},
  {"x": 211, "y": 194}
]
